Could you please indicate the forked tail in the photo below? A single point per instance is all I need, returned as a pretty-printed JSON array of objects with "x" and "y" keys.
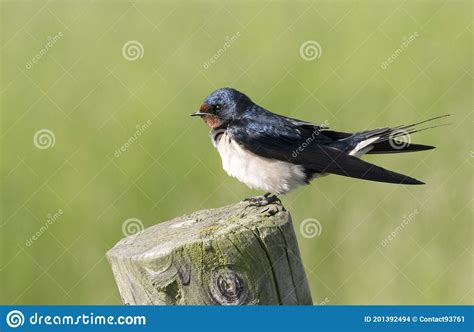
[{"x": 389, "y": 139}]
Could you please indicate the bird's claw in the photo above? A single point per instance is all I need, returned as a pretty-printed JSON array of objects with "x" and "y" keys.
[
  {"x": 255, "y": 201},
  {"x": 261, "y": 200}
]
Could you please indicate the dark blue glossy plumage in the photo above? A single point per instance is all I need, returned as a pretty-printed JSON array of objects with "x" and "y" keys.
[{"x": 315, "y": 147}]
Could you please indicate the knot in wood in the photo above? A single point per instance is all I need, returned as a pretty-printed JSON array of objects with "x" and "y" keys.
[{"x": 227, "y": 286}]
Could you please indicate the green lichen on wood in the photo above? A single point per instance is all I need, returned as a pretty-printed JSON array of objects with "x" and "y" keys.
[{"x": 238, "y": 254}]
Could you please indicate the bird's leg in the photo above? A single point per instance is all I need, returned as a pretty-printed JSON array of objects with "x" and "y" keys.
[
  {"x": 256, "y": 198},
  {"x": 272, "y": 198}
]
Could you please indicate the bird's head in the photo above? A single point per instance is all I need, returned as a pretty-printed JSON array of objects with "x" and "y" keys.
[{"x": 223, "y": 106}]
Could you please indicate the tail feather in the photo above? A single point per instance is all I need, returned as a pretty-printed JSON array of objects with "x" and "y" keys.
[
  {"x": 385, "y": 147},
  {"x": 421, "y": 122},
  {"x": 391, "y": 139},
  {"x": 351, "y": 166},
  {"x": 381, "y": 140}
]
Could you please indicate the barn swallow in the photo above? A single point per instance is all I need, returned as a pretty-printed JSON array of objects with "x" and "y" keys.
[{"x": 275, "y": 153}]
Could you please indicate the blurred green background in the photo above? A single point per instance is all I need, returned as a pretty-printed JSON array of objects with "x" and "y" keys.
[{"x": 90, "y": 94}]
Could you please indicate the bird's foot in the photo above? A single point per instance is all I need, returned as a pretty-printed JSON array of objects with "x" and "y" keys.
[
  {"x": 256, "y": 201},
  {"x": 264, "y": 200}
]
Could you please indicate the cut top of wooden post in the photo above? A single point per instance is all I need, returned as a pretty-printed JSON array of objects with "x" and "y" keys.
[{"x": 237, "y": 254}]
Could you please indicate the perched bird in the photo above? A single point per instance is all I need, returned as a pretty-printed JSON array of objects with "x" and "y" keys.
[{"x": 276, "y": 153}]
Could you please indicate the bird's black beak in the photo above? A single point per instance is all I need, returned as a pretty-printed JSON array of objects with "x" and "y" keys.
[
  {"x": 203, "y": 110},
  {"x": 198, "y": 113}
]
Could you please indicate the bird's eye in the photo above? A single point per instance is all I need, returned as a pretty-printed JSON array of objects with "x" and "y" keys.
[{"x": 217, "y": 107}]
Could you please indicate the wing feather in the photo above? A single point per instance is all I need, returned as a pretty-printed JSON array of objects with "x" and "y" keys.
[{"x": 286, "y": 141}]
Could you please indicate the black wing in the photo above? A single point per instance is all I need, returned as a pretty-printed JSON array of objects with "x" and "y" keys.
[{"x": 286, "y": 139}]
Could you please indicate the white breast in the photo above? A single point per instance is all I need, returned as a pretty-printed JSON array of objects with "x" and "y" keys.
[{"x": 257, "y": 172}]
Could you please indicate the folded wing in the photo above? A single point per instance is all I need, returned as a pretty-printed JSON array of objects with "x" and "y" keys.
[{"x": 284, "y": 140}]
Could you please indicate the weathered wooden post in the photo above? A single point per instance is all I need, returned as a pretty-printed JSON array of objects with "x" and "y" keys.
[{"x": 237, "y": 254}]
